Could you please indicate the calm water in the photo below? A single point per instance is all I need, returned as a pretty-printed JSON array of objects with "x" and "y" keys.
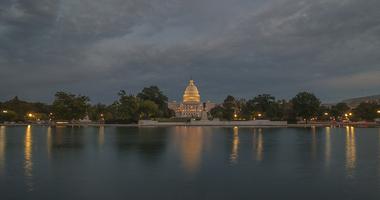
[{"x": 189, "y": 163}]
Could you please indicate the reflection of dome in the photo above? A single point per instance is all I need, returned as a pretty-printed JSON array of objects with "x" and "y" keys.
[{"x": 191, "y": 94}]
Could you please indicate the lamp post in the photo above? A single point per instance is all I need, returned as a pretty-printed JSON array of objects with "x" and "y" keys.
[
  {"x": 102, "y": 118},
  {"x": 30, "y": 116}
]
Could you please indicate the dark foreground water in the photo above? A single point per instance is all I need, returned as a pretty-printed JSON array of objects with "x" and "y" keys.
[{"x": 189, "y": 163}]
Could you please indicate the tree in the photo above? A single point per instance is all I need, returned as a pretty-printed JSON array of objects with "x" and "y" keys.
[
  {"x": 262, "y": 106},
  {"x": 366, "y": 111},
  {"x": 154, "y": 94},
  {"x": 99, "y": 111},
  {"x": 306, "y": 105},
  {"x": 229, "y": 107},
  {"x": 21, "y": 108},
  {"x": 67, "y": 106},
  {"x": 324, "y": 113},
  {"x": 148, "y": 109},
  {"x": 287, "y": 111},
  {"x": 338, "y": 110},
  {"x": 217, "y": 112},
  {"x": 7, "y": 115},
  {"x": 127, "y": 107}
]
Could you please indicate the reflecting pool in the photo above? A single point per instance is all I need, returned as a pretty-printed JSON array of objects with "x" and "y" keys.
[{"x": 39, "y": 162}]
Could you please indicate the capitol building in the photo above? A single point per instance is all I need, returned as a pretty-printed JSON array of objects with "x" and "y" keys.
[{"x": 191, "y": 106}]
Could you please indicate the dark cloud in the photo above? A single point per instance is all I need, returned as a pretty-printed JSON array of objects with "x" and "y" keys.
[{"x": 244, "y": 47}]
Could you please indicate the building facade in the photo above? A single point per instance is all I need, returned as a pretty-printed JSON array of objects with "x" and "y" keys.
[{"x": 191, "y": 105}]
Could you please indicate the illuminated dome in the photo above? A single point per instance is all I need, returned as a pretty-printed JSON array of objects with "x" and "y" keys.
[{"x": 191, "y": 94}]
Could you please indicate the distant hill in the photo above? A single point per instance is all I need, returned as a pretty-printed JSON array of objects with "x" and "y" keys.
[{"x": 356, "y": 101}]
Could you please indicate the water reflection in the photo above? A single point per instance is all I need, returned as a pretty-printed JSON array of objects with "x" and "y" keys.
[
  {"x": 101, "y": 136},
  {"x": 350, "y": 151},
  {"x": 28, "y": 163},
  {"x": 379, "y": 152},
  {"x": 235, "y": 146},
  {"x": 68, "y": 138},
  {"x": 328, "y": 146},
  {"x": 2, "y": 149},
  {"x": 313, "y": 142},
  {"x": 148, "y": 143},
  {"x": 49, "y": 141},
  {"x": 258, "y": 142},
  {"x": 190, "y": 142}
]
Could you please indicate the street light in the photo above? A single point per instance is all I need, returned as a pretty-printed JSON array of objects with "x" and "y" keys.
[
  {"x": 378, "y": 112},
  {"x": 259, "y": 115},
  {"x": 326, "y": 114},
  {"x": 30, "y": 115},
  {"x": 5, "y": 111}
]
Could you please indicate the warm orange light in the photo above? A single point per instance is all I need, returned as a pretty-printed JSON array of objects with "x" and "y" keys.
[
  {"x": 350, "y": 114},
  {"x": 30, "y": 115},
  {"x": 346, "y": 115},
  {"x": 378, "y": 112},
  {"x": 235, "y": 115},
  {"x": 61, "y": 122},
  {"x": 191, "y": 93}
]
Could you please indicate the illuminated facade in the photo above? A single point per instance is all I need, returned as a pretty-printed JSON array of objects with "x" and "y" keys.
[{"x": 191, "y": 105}]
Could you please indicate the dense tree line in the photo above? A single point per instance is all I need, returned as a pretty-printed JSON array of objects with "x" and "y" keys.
[
  {"x": 152, "y": 103},
  {"x": 149, "y": 103},
  {"x": 304, "y": 106}
]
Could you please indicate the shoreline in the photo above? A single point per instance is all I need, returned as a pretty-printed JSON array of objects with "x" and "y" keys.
[{"x": 199, "y": 125}]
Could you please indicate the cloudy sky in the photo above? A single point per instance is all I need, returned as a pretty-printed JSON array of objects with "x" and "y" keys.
[{"x": 238, "y": 47}]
